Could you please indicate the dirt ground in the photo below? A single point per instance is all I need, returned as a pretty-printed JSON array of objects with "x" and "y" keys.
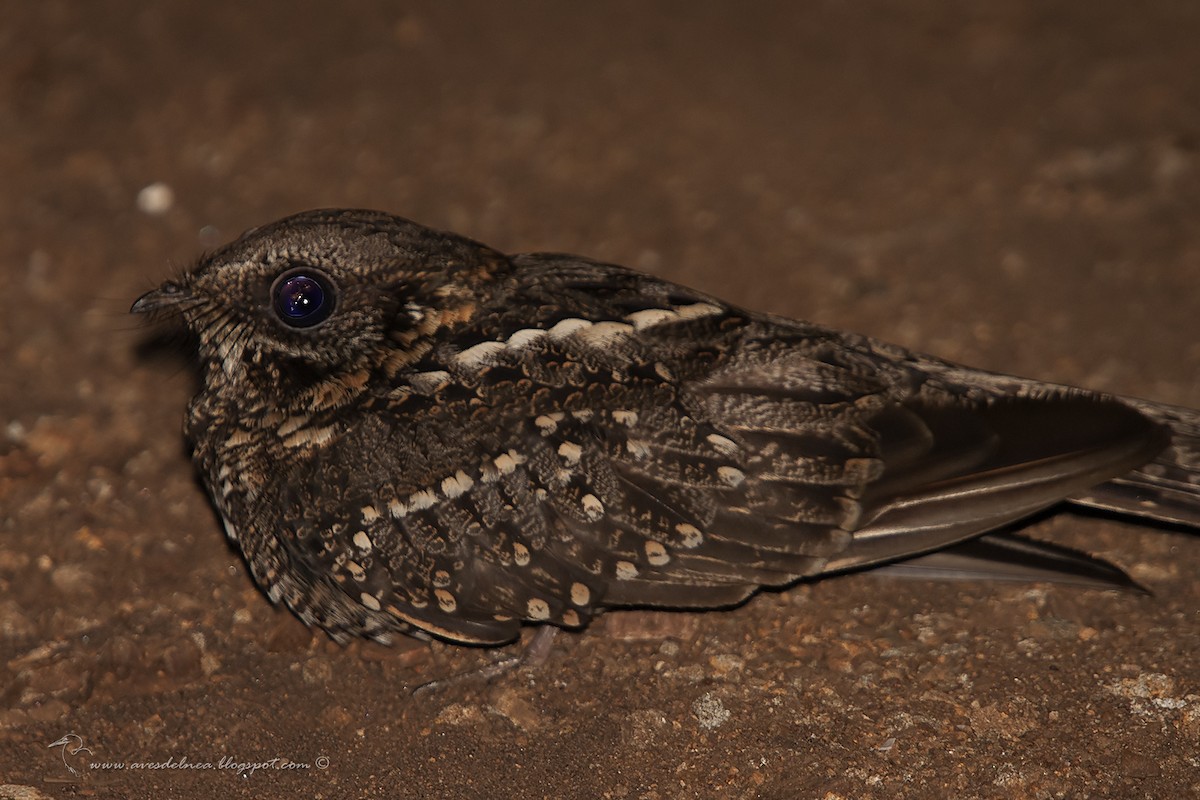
[{"x": 1015, "y": 185}]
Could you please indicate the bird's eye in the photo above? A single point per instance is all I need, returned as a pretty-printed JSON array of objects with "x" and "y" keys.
[{"x": 302, "y": 297}]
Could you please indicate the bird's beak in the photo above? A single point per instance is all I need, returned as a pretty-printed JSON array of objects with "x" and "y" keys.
[{"x": 164, "y": 297}]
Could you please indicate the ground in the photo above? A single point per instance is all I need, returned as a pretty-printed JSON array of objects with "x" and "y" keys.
[{"x": 1014, "y": 185}]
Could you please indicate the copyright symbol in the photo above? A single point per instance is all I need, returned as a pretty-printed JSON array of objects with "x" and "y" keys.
[{"x": 322, "y": 762}]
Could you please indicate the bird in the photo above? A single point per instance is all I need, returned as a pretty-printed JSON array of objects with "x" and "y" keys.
[{"x": 406, "y": 431}]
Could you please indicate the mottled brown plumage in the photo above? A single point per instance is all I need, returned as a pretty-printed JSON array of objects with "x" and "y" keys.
[{"x": 406, "y": 430}]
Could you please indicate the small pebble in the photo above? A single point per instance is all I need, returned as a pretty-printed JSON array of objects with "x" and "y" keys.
[
  {"x": 636, "y": 626},
  {"x": 288, "y": 636},
  {"x": 725, "y": 663},
  {"x": 517, "y": 710},
  {"x": 709, "y": 711},
  {"x": 65, "y": 679},
  {"x": 14, "y": 622},
  {"x": 52, "y": 710},
  {"x": 209, "y": 663},
  {"x": 209, "y": 237},
  {"x": 155, "y": 199},
  {"x": 181, "y": 660},
  {"x": 688, "y": 673},
  {"x": 459, "y": 714},
  {"x": 317, "y": 671},
  {"x": 122, "y": 656},
  {"x": 73, "y": 579}
]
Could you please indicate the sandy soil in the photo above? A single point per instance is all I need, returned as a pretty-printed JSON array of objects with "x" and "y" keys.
[{"x": 1015, "y": 185}]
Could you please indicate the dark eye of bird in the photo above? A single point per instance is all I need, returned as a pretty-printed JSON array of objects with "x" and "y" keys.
[{"x": 302, "y": 297}]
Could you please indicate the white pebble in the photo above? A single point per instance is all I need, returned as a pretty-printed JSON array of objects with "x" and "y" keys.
[{"x": 155, "y": 199}]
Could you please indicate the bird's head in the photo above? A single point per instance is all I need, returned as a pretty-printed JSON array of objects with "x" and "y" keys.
[{"x": 326, "y": 292}]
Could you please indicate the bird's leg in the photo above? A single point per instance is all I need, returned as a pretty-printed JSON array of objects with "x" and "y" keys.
[
  {"x": 539, "y": 647},
  {"x": 533, "y": 654}
]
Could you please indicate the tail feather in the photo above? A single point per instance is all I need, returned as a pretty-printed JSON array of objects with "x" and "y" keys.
[{"x": 1009, "y": 557}]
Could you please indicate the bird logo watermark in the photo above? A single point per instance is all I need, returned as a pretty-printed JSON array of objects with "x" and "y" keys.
[{"x": 72, "y": 753}]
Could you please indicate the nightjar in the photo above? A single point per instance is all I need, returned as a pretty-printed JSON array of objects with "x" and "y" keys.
[{"x": 405, "y": 430}]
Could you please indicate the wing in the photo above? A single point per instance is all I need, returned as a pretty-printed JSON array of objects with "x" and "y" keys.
[
  {"x": 1168, "y": 488},
  {"x": 843, "y": 460},
  {"x": 1165, "y": 489}
]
